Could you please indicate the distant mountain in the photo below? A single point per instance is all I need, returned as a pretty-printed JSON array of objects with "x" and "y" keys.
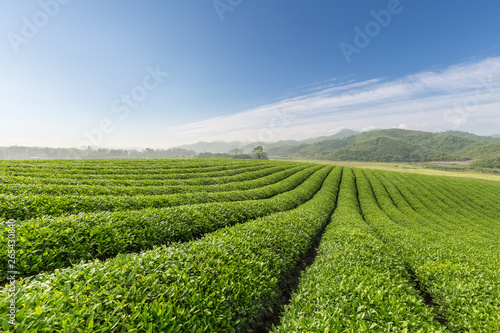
[
  {"x": 224, "y": 147},
  {"x": 345, "y": 133},
  {"x": 389, "y": 145},
  {"x": 495, "y": 136},
  {"x": 213, "y": 147}
]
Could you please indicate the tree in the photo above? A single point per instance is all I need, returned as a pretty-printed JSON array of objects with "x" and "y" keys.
[{"x": 258, "y": 152}]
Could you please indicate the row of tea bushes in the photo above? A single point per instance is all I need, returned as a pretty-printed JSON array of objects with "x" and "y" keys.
[
  {"x": 50, "y": 243},
  {"x": 224, "y": 282}
]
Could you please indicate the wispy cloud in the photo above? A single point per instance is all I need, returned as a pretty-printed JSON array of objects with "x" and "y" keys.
[{"x": 450, "y": 98}]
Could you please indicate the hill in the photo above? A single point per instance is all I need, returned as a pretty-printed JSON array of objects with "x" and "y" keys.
[
  {"x": 213, "y": 147},
  {"x": 491, "y": 162},
  {"x": 345, "y": 133},
  {"x": 224, "y": 147},
  {"x": 467, "y": 135},
  {"x": 398, "y": 145},
  {"x": 389, "y": 145}
]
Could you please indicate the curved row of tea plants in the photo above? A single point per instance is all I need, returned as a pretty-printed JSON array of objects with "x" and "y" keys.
[
  {"x": 27, "y": 207},
  {"x": 461, "y": 277},
  {"x": 252, "y": 180},
  {"x": 196, "y": 173},
  {"x": 127, "y": 167},
  {"x": 401, "y": 203},
  {"x": 463, "y": 197},
  {"x": 50, "y": 243},
  {"x": 225, "y": 282},
  {"x": 474, "y": 238},
  {"x": 442, "y": 212},
  {"x": 97, "y": 166},
  {"x": 459, "y": 231},
  {"x": 356, "y": 284},
  {"x": 96, "y": 180}
]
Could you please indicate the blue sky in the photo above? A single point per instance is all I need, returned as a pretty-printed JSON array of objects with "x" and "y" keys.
[{"x": 163, "y": 73}]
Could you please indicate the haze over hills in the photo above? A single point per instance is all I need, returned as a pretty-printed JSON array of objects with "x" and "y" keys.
[
  {"x": 224, "y": 147},
  {"x": 387, "y": 145},
  {"x": 397, "y": 145}
]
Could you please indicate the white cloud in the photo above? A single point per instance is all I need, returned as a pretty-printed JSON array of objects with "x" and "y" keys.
[{"x": 446, "y": 99}]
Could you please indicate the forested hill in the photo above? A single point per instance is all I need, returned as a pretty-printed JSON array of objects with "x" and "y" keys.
[{"x": 396, "y": 145}]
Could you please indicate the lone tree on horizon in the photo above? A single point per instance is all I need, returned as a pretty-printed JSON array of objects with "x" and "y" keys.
[{"x": 259, "y": 152}]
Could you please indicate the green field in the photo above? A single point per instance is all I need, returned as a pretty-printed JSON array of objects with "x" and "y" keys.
[{"x": 229, "y": 246}]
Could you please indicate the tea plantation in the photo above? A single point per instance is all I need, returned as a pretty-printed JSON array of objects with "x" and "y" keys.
[{"x": 244, "y": 246}]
